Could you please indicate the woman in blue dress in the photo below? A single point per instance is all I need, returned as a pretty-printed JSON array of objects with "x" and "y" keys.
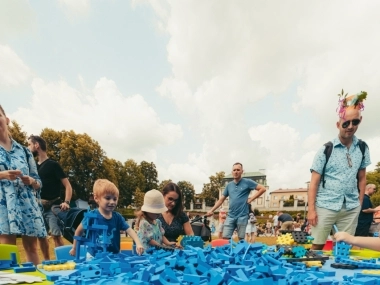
[{"x": 19, "y": 183}]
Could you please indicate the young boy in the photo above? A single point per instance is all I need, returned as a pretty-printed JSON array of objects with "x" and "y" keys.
[{"x": 106, "y": 195}]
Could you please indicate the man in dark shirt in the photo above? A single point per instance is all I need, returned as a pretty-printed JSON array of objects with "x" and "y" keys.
[
  {"x": 285, "y": 221},
  {"x": 52, "y": 176},
  {"x": 366, "y": 213}
]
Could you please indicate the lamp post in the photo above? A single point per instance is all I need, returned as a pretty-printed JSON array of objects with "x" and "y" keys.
[{"x": 307, "y": 198}]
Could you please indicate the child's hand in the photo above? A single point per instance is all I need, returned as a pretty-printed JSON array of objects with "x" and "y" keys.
[
  {"x": 72, "y": 251},
  {"x": 172, "y": 244},
  {"x": 343, "y": 236},
  {"x": 139, "y": 248}
]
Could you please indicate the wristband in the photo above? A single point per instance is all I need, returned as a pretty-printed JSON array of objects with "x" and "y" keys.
[{"x": 67, "y": 202}]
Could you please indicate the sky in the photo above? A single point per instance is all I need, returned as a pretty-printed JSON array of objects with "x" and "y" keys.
[{"x": 194, "y": 86}]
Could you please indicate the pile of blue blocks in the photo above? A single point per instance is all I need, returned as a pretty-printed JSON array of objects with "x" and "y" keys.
[{"x": 236, "y": 263}]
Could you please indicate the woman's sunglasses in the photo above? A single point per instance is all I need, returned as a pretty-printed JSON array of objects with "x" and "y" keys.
[{"x": 355, "y": 122}]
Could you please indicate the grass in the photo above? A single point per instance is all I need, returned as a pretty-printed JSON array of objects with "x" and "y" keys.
[{"x": 265, "y": 240}]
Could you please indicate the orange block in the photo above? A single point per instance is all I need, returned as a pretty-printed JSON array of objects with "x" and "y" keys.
[
  {"x": 219, "y": 242},
  {"x": 126, "y": 245}
]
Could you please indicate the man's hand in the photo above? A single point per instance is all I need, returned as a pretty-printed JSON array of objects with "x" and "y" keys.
[
  {"x": 209, "y": 213},
  {"x": 312, "y": 217},
  {"x": 64, "y": 206}
]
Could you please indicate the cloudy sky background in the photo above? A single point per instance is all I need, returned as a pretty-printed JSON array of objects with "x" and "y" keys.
[{"x": 193, "y": 86}]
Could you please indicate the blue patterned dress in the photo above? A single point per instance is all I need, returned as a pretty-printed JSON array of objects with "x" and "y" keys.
[
  {"x": 19, "y": 210},
  {"x": 148, "y": 232}
]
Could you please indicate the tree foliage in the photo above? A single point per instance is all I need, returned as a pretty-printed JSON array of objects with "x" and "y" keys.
[
  {"x": 138, "y": 200},
  {"x": 373, "y": 177},
  {"x": 17, "y": 134},
  {"x": 133, "y": 179},
  {"x": 163, "y": 183},
  {"x": 82, "y": 159},
  {"x": 188, "y": 192},
  {"x": 210, "y": 191},
  {"x": 148, "y": 169}
]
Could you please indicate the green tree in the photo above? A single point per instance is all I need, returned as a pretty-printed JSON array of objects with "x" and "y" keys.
[
  {"x": 17, "y": 134},
  {"x": 188, "y": 192},
  {"x": 131, "y": 180},
  {"x": 138, "y": 199},
  {"x": 150, "y": 173},
  {"x": 210, "y": 191},
  {"x": 163, "y": 183},
  {"x": 82, "y": 160},
  {"x": 53, "y": 141}
]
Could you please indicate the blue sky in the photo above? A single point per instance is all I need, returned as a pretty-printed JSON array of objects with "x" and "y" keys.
[{"x": 193, "y": 86}]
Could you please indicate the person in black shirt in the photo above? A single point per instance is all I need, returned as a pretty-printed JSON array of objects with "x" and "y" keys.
[
  {"x": 366, "y": 213},
  {"x": 52, "y": 176}
]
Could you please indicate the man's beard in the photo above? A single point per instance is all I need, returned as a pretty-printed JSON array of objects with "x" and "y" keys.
[{"x": 35, "y": 153}]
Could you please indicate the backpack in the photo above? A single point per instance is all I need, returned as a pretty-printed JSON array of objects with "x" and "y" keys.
[{"x": 328, "y": 150}]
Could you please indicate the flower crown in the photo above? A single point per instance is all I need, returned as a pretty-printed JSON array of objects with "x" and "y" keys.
[{"x": 353, "y": 101}]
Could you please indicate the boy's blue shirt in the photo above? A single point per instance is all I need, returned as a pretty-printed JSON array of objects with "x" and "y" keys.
[{"x": 116, "y": 224}]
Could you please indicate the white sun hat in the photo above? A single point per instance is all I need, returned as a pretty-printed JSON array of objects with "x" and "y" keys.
[{"x": 154, "y": 202}]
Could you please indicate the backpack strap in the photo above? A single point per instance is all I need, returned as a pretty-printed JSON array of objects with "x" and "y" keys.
[
  {"x": 328, "y": 150},
  {"x": 362, "y": 146}
]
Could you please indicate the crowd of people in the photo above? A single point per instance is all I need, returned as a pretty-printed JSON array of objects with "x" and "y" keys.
[{"x": 338, "y": 196}]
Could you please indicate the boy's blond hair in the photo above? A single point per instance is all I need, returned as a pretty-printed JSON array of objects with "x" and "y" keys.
[{"x": 103, "y": 187}]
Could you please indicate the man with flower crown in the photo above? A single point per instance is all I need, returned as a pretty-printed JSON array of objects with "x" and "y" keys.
[{"x": 334, "y": 197}]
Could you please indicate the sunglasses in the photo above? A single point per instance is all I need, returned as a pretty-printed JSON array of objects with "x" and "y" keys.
[
  {"x": 172, "y": 200},
  {"x": 354, "y": 122}
]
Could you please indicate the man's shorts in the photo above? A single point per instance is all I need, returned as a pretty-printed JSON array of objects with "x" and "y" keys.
[
  {"x": 51, "y": 223},
  {"x": 235, "y": 223},
  {"x": 345, "y": 221}
]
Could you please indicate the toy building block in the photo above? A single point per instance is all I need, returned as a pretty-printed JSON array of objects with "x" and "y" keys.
[
  {"x": 300, "y": 237},
  {"x": 24, "y": 269},
  {"x": 285, "y": 239},
  {"x": 341, "y": 249}
]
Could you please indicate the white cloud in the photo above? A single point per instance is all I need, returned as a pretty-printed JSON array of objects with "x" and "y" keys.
[
  {"x": 13, "y": 70},
  {"x": 125, "y": 127},
  {"x": 226, "y": 57},
  {"x": 16, "y": 18},
  {"x": 75, "y": 7},
  {"x": 185, "y": 172}
]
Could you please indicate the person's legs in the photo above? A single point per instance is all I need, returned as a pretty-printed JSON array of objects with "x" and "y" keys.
[
  {"x": 247, "y": 233},
  {"x": 52, "y": 221},
  {"x": 44, "y": 245},
  {"x": 8, "y": 239},
  {"x": 253, "y": 232},
  {"x": 30, "y": 246},
  {"x": 220, "y": 233},
  {"x": 320, "y": 232},
  {"x": 228, "y": 228}
]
